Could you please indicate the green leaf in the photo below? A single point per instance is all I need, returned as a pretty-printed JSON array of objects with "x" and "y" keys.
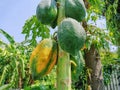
[
  {"x": 5, "y": 87},
  {"x": 9, "y": 38},
  {"x": 34, "y": 30}
]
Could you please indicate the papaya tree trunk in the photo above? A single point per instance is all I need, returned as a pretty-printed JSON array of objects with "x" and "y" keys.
[
  {"x": 93, "y": 63},
  {"x": 63, "y": 71},
  {"x": 63, "y": 64}
]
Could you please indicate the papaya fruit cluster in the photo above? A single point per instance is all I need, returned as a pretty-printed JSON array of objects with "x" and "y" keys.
[
  {"x": 70, "y": 35},
  {"x": 47, "y": 11}
]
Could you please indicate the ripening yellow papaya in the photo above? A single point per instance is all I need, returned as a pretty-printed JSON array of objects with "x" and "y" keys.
[{"x": 43, "y": 57}]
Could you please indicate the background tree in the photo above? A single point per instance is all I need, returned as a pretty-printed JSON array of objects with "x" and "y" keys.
[
  {"x": 96, "y": 40},
  {"x": 112, "y": 14}
]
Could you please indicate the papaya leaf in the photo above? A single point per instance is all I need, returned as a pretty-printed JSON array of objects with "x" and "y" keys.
[
  {"x": 99, "y": 37},
  {"x": 34, "y": 30}
]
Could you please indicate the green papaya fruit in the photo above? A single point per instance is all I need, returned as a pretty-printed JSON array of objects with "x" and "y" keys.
[
  {"x": 75, "y": 9},
  {"x": 77, "y": 66},
  {"x": 71, "y": 35},
  {"x": 46, "y": 11}
]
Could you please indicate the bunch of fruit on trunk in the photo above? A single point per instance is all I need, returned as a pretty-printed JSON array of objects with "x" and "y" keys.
[{"x": 71, "y": 35}]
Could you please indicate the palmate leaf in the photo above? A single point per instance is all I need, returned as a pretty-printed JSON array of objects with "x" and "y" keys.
[
  {"x": 9, "y": 38},
  {"x": 101, "y": 38},
  {"x": 33, "y": 30},
  {"x": 97, "y": 4}
]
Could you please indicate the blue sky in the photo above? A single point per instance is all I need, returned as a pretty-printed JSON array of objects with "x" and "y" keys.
[{"x": 13, "y": 14}]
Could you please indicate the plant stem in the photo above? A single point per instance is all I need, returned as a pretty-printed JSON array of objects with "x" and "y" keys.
[
  {"x": 61, "y": 10},
  {"x": 63, "y": 71},
  {"x": 63, "y": 64}
]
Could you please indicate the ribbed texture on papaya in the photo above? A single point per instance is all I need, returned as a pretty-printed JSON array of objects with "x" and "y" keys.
[
  {"x": 75, "y": 9},
  {"x": 71, "y": 36},
  {"x": 43, "y": 58}
]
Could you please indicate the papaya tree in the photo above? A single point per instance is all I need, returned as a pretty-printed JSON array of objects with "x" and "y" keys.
[
  {"x": 97, "y": 38},
  {"x": 69, "y": 30},
  {"x": 63, "y": 9}
]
